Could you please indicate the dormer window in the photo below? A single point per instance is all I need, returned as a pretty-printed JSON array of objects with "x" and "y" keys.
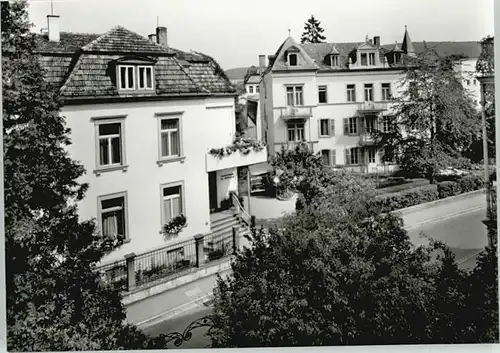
[
  {"x": 367, "y": 59},
  {"x": 145, "y": 74},
  {"x": 134, "y": 74},
  {"x": 292, "y": 59},
  {"x": 371, "y": 59},
  {"x": 397, "y": 58},
  {"x": 334, "y": 60}
]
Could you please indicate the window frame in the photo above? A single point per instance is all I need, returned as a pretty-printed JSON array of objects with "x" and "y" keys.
[
  {"x": 170, "y": 116},
  {"x": 352, "y": 154},
  {"x": 250, "y": 89},
  {"x": 386, "y": 91},
  {"x": 374, "y": 152},
  {"x": 361, "y": 56},
  {"x": 179, "y": 183},
  {"x": 295, "y": 128},
  {"x": 290, "y": 55},
  {"x": 334, "y": 60},
  {"x": 386, "y": 124},
  {"x": 369, "y": 87},
  {"x": 98, "y": 121},
  {"x": 329, "y": 157},
  {"x": 370, "y": 57},
  {"x": 126, "y": 66},
  {"x": 353, "y": 92},
  {"x": 294, "y": 95},
  {"x": 321, "y": 89},
  {"x": 115, "y": 195},
  {"x": 145, "y": 67},
  {"x": 350, "y": 125}
]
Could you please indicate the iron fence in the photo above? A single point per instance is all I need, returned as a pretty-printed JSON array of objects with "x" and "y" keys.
[
  {"x": 165, "y": 262},
  {"x": 217, "y": 246},
  {"x": 115, "y": 274}
]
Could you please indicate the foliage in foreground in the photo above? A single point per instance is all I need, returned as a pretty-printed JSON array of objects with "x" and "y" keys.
[{"x": 55, "y": 298}]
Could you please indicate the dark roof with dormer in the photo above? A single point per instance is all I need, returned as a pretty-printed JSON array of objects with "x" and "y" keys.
[{"x": 81, "y": 65}]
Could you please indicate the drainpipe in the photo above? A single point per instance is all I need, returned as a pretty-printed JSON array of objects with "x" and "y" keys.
[{"x": 249, "y": 189}]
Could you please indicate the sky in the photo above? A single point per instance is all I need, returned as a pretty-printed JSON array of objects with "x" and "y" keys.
[{"x": 235, "y": 32}]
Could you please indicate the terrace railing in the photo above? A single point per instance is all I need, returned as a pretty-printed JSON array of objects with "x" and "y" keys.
[{"x": 135, "y": 271}]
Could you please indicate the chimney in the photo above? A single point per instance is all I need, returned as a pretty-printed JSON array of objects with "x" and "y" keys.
[
  {"x": 152, "y": 37},
  {"x": 53, "y": 28},
  {"x": 376, "y": 41},
  {"x": 161, "y": 36},
  {"x": 262, "y": 63},
  {"x": 370, "y": 41}
]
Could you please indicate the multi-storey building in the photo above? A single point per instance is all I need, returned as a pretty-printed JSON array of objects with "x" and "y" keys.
[
  {"x": 332, "y": 95},
  {"x": 143, "y": 118}
]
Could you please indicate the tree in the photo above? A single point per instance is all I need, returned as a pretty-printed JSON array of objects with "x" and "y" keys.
[
  {"x": 435, "y": 120},
  {"x": 348, "y": 283},
  {"x": 55, "y": 298},
  {"x": 312, "y": 32}
]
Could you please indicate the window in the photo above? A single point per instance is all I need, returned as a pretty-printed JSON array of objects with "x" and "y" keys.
[
  {"x": 370, "y": 123},
  {"x": 371, "y": 155},
  {"x": 296, "y": 132},
  {"x": 292, "y": 59},
  {"x": 397, "y": 58},
  {"x": 386, "y": 91},
  {"x": 364, "y": 61},
  {"x": 169, "y": 137},
  {"x": 386, "y": 124},
  {"x": 328, "y": 157},
  {"x": 351, "y": 126},
  {"x": 371, "y": 57},
  {"x": 334, "y": 60},
  {"x": 110, "y": 145},
  {"x": 326, "y": 127},
  {"x": 368, "y": 92},
  {"x": 351, "y": 93},
  {"x": 127, "y": 77},
  {"x": 322, "y": 96},
  {"x": 113, "y": 215},
  {"x": 294, "y": 95},
  {"x": 257, "y": 89},
  {"x": 171, "y": 202},
  {"x": 325, "y": 156},
  {"x": 250, "y": 89},
  {"x": 145, "y": 74},
  {"x": 475, "y": 82},
  {"x": 352, "y": 156}
]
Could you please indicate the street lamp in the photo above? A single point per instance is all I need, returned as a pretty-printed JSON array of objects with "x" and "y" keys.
[{"x": 490, "y": 221}]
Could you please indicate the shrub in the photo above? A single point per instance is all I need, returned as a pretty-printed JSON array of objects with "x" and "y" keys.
[
  {"x": 470, "y": 182},
  {"x": 401, "y": 187},
  {"x": 397, "y": 200},
  {"x": 448, "y": 188}
]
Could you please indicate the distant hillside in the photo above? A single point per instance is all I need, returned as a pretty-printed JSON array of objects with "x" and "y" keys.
[{"x": 237, "y": 73}]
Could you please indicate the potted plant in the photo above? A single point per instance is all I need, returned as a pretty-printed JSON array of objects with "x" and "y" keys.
[{"x": 175, "y": 225}]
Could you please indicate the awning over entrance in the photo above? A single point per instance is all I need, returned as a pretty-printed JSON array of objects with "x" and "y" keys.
[{"x": 260, "y": 168}]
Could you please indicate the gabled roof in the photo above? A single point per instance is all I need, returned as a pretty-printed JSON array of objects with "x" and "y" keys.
[
  {"x": 367, "y": 46},
  {"x": 81, "y": 65},
  {"x": 304, "y": 62}
]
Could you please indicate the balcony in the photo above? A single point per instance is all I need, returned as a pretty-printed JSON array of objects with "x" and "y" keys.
[
  {"x": 372, "y": 107},
  {"x": 242, "y": 152},
  {"x": 291, "y": 145},
  {"x": 291, "y": 112},
  {"x": 366, "y": 139}
]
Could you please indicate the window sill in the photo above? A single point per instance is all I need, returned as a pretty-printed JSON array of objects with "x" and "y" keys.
[
  {"x": 101, "y": 170},
  {"x": 171, "y": 160},
  {"x": 325, "y": 136}
]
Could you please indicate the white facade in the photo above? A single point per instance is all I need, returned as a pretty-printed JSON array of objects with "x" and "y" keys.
[
  {"x": 203, "y": 124},
  {"x": 469, "y": 79}
]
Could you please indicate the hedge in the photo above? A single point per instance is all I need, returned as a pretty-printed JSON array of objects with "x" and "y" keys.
[
  {"x": 448, "y": 188},
  {"x": 389, "y": 202},
  {"x": 406, "y": 198},
  {"x": 406, "y": 186}
]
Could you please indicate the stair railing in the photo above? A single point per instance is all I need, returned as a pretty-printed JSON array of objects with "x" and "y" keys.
[{"x": 245, "y": 216}]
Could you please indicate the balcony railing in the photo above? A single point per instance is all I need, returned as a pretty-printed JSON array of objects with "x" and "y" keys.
[
  {"x": 296, "y": 112},
  {"x": 372, "y": 106},
  {"x": 242, "y": 152},
  {"x": 291, "y": 145}
]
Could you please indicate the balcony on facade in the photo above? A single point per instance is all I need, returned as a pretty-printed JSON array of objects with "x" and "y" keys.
[
  {"x": 372, "y": 107},
  {"x": 226, "y": 158},
  {"x": 294, "y": 112}
]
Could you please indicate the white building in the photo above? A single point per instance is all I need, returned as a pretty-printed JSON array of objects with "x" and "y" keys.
[
  {"x": 143, "y": 117},
  {"x": 331, "y": 95}
]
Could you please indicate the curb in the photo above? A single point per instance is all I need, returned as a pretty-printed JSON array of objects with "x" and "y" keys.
[{"x": 437, "y": 202}]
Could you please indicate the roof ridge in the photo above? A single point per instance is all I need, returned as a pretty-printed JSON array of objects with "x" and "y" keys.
[{"x": 98, "y": 39}]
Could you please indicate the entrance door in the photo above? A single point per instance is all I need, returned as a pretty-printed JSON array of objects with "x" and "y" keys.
[{"x": 212, "y": 190}]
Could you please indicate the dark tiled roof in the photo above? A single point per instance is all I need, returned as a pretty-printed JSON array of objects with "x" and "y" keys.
[
  {"x": 120, "y": 39},
  {"x": 81, "y": 65},
  {"x": 319, "y": 52},
  {"x": 468, "y": 49},
  {"x": 68, "y": 43}
]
